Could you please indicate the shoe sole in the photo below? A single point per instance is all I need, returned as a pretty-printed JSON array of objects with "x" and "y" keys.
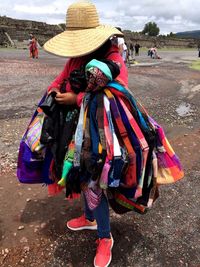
[
  {"x": 94, "y": 227},
  {"x": 110, "y": 257}
]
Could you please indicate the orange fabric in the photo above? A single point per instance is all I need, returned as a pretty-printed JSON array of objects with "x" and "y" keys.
[{"x": 131, "y": 177}]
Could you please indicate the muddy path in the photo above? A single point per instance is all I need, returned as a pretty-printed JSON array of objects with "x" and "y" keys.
[{"x": 32, "y": 225}]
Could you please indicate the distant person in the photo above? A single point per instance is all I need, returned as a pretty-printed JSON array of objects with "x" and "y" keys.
[
  {"x": 131, "y": 47},
  {"x": 154, "y": 53},
  {"x": 137, "y": 49},
  {"x": 119, "y": 42},
  {"x": 29, "y": 44},
  {"x": 149, "y": 53},
  {"x": 33, "y": 47},
  {"x": 199, "y": 50},
  {"x": 36, "y": 48},
  {"x": 125, "y": 52},
  {"x": 30, "y": 38}
]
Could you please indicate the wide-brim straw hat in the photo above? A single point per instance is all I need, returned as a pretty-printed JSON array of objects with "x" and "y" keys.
[{"x": 83, "y": 35}]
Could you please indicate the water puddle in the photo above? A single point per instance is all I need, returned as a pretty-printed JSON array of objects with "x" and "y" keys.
[{"x": 184, "y": 109}]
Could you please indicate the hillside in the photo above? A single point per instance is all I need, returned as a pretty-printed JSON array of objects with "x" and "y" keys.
[{"x": 189, "y": 34}]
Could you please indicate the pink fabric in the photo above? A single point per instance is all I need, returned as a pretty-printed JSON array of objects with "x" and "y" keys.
[
  {"x": 75, "y": 63},
  {"x": 79, "y": 99}
]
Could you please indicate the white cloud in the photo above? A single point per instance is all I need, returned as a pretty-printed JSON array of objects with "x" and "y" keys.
[
  {"x": 46, "y": 9},
  {"x": 170, "y": 15}
]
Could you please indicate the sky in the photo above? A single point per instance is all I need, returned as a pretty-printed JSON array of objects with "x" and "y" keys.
[{"x": 170, "y": 15}]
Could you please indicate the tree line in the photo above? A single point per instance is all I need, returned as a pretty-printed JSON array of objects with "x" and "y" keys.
[{"x": 152, "y": 29}]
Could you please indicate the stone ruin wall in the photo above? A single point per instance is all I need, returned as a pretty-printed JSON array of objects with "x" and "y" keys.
[
  {"x": 19, "y": 30},
  {"x": 148, "y": 41}
]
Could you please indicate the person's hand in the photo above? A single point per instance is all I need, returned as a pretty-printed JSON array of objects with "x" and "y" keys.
[
  {"x": 68, "y": 98},
  {"x": 53, "y": 89}
]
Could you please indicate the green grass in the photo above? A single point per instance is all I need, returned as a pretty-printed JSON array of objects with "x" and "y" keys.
[
  {"x": 7, "y": 49},
  {"x": 195, "y": 65},
  {"x": 11, "y": 49},
  {"x": 177, "y": 49}
]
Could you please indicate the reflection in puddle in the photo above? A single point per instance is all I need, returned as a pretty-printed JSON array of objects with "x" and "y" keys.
[{"x": 184, "y": 109}]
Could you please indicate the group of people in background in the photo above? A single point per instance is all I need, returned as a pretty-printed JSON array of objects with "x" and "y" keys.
[
  {"x": 122, "y": 46},
  {"x": 153, "y": 53},
  {"x": 33, "y": 46},
  {"x": 126, "y": 50},
  {"x": 133, "y": 48}
]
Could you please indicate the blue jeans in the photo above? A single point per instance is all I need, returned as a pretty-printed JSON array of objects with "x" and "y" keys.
[{"x": 101, "y": 215}]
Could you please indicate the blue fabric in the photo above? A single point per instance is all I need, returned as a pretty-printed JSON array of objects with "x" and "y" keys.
[
  {"x": 101, "y": 212},
  {"x": 122, "y": 89},
  {"x": 100, "y": 65},
  {"x": 115, "y": 173},
  {"x": 101, "y": 215},
  {"x": 128, "y": 192},
  {"x": 94, "y": 133}
]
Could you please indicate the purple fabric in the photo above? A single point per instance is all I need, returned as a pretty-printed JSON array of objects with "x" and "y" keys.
[{"x": 30, "y": 169}]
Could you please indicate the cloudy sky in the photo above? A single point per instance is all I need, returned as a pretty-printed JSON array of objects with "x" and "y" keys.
[{"x": 170, "y": 15}]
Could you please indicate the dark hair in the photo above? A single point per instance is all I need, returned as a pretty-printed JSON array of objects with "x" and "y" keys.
[
  {"x": 102, "y": 50},
  {"x": 119, "y": 29}
]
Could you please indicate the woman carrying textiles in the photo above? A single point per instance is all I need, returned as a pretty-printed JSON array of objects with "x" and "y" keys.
[
  {"x": 90, "y": 41},
  {"x": 111, "y": 153}
]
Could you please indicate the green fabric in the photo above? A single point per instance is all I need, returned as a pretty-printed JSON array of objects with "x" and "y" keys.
[
  {"x": 100, "y": 65},
  {"x": 66, "y": 168}
]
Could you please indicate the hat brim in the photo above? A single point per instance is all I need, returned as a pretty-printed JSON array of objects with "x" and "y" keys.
[{"x": 76, "y": 43}]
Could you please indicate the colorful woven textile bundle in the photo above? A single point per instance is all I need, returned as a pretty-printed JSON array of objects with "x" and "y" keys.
[
  {"x": 34, "y": 132},
  {"x": 119, "y": 148},
  {"x": 111, "y": 144},
  {"x": 169, "y": 167}
]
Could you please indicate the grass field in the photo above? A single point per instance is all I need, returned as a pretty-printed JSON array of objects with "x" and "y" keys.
[{"x": 195, "y": 65}]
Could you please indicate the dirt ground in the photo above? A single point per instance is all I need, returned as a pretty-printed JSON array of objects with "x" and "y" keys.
[{"x": 32, "y": 225}]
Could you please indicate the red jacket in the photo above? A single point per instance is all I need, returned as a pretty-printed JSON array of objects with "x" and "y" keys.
[{"x": 76, "y": 63}]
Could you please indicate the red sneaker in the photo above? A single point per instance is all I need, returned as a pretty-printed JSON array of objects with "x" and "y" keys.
[
  {"x": 104, "y": 252},
  {"x": 81, "y": 223}
]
